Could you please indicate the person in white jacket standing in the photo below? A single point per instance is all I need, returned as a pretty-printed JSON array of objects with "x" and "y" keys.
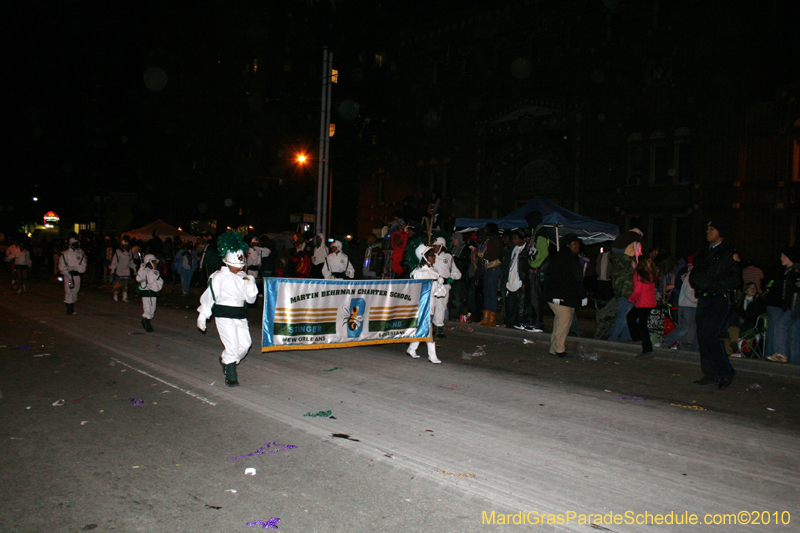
[
  {"x": 337, "y": 264},
  {"x": 122, "y": 266},
  {"x": 228, "y": 292},
  {"x": 71, "y": 264},
  {"x": 22, "y": 263},
  {"x": 448, "y": 273},
  {"x": 425, "y": 270},
  {"x": 149, "y": 286}
]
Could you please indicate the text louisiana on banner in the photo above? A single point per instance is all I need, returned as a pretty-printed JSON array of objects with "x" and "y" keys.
[{"x": 315, "y": 314}]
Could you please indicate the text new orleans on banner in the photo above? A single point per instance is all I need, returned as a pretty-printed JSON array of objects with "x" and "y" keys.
[{"x": 302, "y": 314}]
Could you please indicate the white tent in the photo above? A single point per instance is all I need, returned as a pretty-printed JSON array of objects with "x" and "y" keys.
[{"x": 162, "y": 229}]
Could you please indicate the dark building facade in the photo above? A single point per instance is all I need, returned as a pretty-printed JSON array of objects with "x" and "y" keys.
[{"x": 657, "y": 115}]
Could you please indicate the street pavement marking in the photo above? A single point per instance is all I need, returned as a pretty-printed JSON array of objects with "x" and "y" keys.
[{"x": 186, "y": 391}]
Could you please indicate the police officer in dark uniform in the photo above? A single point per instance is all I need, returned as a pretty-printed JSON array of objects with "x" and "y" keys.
[{"x": 716, "y": 276}]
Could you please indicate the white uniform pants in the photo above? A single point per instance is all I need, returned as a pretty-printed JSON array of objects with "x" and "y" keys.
[
  {"x": 235, "y": 336},
  {"x": 440, "y": 308},
  {"x": 71, "y": 295},
  {"x": 149, "y": 305},
  {"x": 431, "y": 348}
]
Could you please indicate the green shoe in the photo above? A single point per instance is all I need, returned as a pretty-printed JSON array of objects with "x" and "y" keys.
[{"x": 231, "y": 379}]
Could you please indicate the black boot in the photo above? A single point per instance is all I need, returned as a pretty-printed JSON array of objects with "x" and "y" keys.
[
  {"x": 144, "y": 323},
  {"x": 70, "y": 309},
  {"x": 231, "y": 379},
  {"x": 440, "y": 332},
  {"x": 147, "y": 326}
]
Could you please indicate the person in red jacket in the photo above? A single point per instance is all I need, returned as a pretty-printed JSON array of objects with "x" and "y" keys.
[{"x": 643, "y": 299}]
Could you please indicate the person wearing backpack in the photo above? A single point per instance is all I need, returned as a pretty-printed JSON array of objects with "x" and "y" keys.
[
  {"x": 537, "y": 255},
  {"x": 149, "y": 285}
]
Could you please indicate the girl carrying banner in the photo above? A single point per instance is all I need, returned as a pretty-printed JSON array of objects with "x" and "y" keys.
[{"x": 425, "y": 270}]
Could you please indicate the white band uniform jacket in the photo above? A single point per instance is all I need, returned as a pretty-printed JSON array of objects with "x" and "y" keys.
[
  {"x": 229, "y": 289},
  {"x": 336, "y": 264},
  {"x": 122, "y": 263}
]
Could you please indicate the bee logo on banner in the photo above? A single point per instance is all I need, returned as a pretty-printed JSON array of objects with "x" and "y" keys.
[
  {"x": 354, "y": 316},
  {"x": 316, "y": 314}
]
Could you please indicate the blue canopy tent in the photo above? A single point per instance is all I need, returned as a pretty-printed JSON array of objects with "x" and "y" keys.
[{"x": 560, "y": 221}]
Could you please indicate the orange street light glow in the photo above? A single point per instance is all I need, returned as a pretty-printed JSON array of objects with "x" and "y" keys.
[{"x": 301, "y": 158}]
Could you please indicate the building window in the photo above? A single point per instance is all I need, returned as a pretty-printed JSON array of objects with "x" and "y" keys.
[
  {"x": 683, "y": 162},
  {"x": 635, "y": 160},
  {"x": 658, "y": 158},
  {"x": 658, "y": 164},
  {"x": 655, "y": 232},
  {"x": 680, "y": 236}
]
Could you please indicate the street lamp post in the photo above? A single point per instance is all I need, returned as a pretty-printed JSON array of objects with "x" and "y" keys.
[{"x": 323, "y": 175}]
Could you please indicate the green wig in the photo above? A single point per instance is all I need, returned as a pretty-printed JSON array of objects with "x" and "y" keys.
[{"x": 231, "y": 241}]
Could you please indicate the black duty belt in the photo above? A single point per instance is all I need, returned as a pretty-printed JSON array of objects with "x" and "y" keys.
[{"x": 229, "y": 311}]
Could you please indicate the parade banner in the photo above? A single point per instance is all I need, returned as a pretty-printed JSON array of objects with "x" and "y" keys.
[{"x": 314, "y": 314}]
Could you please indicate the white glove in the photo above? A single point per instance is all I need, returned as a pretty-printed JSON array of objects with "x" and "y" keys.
[
  {"x": 201, "y": 322},
  {"x": 584, "y": 302}
]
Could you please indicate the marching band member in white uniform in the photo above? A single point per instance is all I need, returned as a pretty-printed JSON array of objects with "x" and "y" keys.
[
  {"x": 337, "y": 264},
  {"x": 448, "y": 272},
  {"x": 425, "y": 270},
  {"x": 150, "y": 285},
  {"x": 228, "y": 292},
  {"x": 71, "y": 265},
  {"x": 122, "y": 266}
]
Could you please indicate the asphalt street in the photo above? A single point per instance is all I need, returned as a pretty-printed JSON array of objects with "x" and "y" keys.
[{"x": 108, "y": 428}]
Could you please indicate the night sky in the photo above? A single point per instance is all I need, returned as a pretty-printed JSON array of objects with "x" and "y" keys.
[{"x": 161, "y": 101}]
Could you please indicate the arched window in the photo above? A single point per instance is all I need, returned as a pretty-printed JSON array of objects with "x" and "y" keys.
[
  {"x": 683, "y": 170},
  {"x": 659, "y": 160},
  {"x": 635, "y": 159}
]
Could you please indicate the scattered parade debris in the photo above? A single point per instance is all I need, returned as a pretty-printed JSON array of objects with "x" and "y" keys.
[
  {"x": 452, "y": 387},
  {"x": 770, "y": 409},
  {"x": 445, "y": 472},
  {"x": 693, "y": 407},
  {"x": 212, "y": 507},
  {"x": 58, "y": 403},
  {"x": 755, "y": 387},
  {"x": 465, "y": 328},
  {"x": 632, "y": 398},
  {"x": 585, "y": 353},
  {"x": 41, "y": 354},
  {"x": 502, "y": 342},
  {"x": 479, "y": 351},
  {"x": 230, "y": 490},
  {"x": 272, "y": 523},
  {"x": 528, "y": 341},
  {"x": 334, "y": 368},
  {"x": 320, "y": 413},
  {"x": 249, "y": 471},
  {"x": 263, "y": 450},
  {"x": 344, "y": 436},
  {"x": 137, "y": 401}
]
